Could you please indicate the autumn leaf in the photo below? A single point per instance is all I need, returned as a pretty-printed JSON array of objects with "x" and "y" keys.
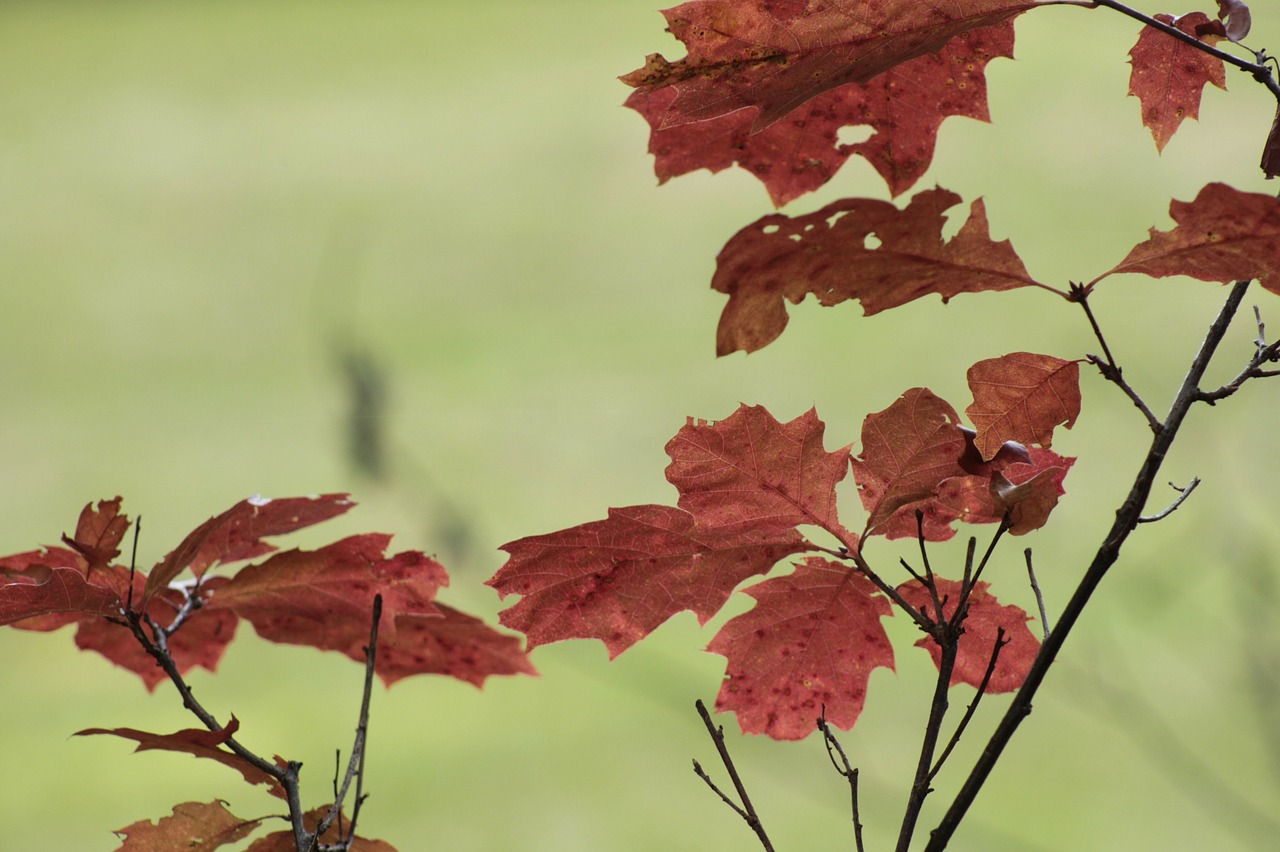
[
  {"x": 53, "y": 595},
  {"x": 908, "y": 450},
  {"x": 1169, "y": 75},
  {"x": 199, "y": 743},
  {"x": 201, "y": 641},
  {"x": 447, "y": 643},
  {"x": 1235, "y": 14},
  {"x": 861, "y": 249},
  {"x": 238, "y": 533},
  {"x": 750, "y": 471},
  {"x": 98, "y": 534},
  {"x": 1224, "y": 235},
  {"x": 1271, "y": 151},
  {"x": 771, "y": 57},
  {"x": 811, "y": 641},
  {"x": 1025, "y": 489},
  {"x": 904, "y": 108},
  {"x": 283, "y": 841},
  {"x": 616, "y": 580},
  {"x": 324, "y": 598},
  {"x": 193, "y": 826},
  {"x": 1022, "y": 397},
  {"x": 985, "y": 615}
]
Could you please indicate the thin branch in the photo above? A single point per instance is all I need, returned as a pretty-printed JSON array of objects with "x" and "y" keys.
[
  {"x": 747, "y": 811},
  {"x": 1252, "y": 370},
  {"x": 1108, "y": 552},
  {"x": 1183, "y": 494},
  {"x": 355, "y": 765},
  {"x": 947, "y": 636},
  {"x": 1258, "y": 70},
  {"x": 1001, "y": 641},
  {"x": 1107, "y": 365},
  {"x": 1035, "y": 587},
  {"x": 846, "y": 770}
]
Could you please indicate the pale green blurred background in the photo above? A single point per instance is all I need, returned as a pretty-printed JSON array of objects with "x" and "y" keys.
[{"x": 204, "y": 205}]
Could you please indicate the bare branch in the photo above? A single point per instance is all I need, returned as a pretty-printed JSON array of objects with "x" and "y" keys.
[
  {"x": 846, "y": 770},
  {"x": 1183, "y": 494},
  {"x": 1035, "y": 587},
  {"x": 1001, "y": 641},
  {"x": 747, "y": 811}
]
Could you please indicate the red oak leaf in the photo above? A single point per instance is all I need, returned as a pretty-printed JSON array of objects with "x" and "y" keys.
[
  {"x": 201, "y": 641},
  {"x": 283, "y": 841},
  {"x": 237, "y": 533},
  {"x": 904, "y": 107},
  {"x": 1027, "y": 489},
  {"x": 198, "y": 742},
  {"x": 616, "y": 580},
  {"x": 812, "y": 640},
  {"x": 1224, "y": 235},
  {"x": 1022, "y": 397},
  {"x": 324, "y": 598},
  {"x": 749, "y": 471},
  {"x": 450, "y": 643},
  {"x": 194, "y": 826},
  {"x": 98, "y": 534},
  {"x": 985, "y": 616},
  {"x": 1169, "y": 75},
  {"x": 772, "y": 56},
  {"x": 907, "y": 451},
  {"x": 47, "y": 597},
  {"x": 827, "y": 254}
]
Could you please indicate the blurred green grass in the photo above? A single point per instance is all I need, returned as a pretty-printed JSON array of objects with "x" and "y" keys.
[{"x": 200, "y": 203}]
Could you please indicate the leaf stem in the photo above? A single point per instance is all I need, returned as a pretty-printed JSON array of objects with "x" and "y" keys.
[{"x": 1107, "y": 554}]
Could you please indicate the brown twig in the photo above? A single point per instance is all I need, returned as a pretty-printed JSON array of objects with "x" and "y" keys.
[
  {"x": 846, "y": 770},
  {"x": 1001, "y": 641},
  {"x": 1035, "y": 587},
  {"x": 747, "y": 810}
]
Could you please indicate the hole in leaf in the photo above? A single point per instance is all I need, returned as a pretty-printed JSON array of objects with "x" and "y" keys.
[
  {"x": 854, "y": 134},
  {"x": 770, "y": 229},
  {"x": 871, "y": 242}
]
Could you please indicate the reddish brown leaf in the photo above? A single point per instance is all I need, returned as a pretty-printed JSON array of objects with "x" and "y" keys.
[
  {"x": 201, "y": 641},
  {"x": 812, "y": 640},
  {"x": 616, "y": 580},
  {"x": 1026, "y": 487},
  {"x": 833, "y": 255},
  {"x": 1169, "y": 75},
  {"x": 1022, "y": 397},
  {"x": 985, "y": 616},
  {"x": 237, "y": 533},
  {"x": 904, "y": 107},
  {"x": 1224, "y": 235},
  {"x": 1237, "y": 18},
  {"x": 33, "y": 568},
  {"x": 283, "y": 841},
  {"x": 1271, "y": 151},
  {"x": 907, "y": 451},
  {"x": 197, "y": 742},
  {"x": 451, "y": 643},
  {"x": 749, "y": 471},
  {"x": 772, "y": 56},
  {"x": 98, "y": 534},
  {"x": 48, "y": 597},
  {"x": 193, "y": 826},
  {"x": 324, "y": 598}
]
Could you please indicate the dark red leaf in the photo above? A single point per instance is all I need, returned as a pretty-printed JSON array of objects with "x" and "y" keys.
[
  {"x": 1236, "y": 15},
  {"x": 1022, "y": 397},
  {"x": 451, "y": 643},
  {"x": 772, "y": 56},
  {"x": 201, "y": 640},
  {"x": 237, "y": 533},
  {"x": 985, "y": 616},
  {"x": 749, "y": 471},
  {"x": 98, "y": 534},
  {"x": 54, "y": 596},
  {"x": 33, "y": 568},
  {"x": 855, "y": 249},
  {"x": 904, "y": 107},
  {"x": 907, "y": 451},
  {"x": 1030, "y": 492},
  {"x": 1271, "y": 151},
  {"x": 1224, "y": 235},
  {"x": 197, "y": 742},
  {"x": 193, "y": 826},
  {"x": 283, "y": 841},
  {"x": 616, "y": 580},
  {"x": 1169, "y": 75},
  {"x": 812, "y": 640},
  {"x": 324, "y": 598}
]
